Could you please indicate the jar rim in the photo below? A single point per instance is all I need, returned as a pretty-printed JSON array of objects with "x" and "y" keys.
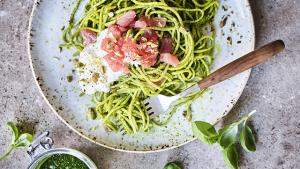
[{"x": 84, "y": 158}]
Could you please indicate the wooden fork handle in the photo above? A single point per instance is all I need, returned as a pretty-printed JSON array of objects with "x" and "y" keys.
[{"x": 245, "y": 62}]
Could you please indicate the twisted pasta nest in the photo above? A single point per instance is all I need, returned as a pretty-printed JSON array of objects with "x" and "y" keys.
[{"x": 122, "y": 109}]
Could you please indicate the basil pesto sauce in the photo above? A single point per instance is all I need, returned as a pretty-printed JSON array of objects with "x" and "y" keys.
[{"x": 62, "y": 161}]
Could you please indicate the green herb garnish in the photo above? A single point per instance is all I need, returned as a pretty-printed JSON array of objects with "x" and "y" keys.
[
  {"x": 231, "y": 156},
  {"x": 70, "y": 78},
  {"x": 91, "y": 113},
  {"x": 247, "y": 139},
  {"x": 205, "y": 132},
  {"x": 81, "y": 94},
  {"x": 172, "y": 165},
  {"x": 227, "y": 137},
  {"x": 18, "y": 140}
]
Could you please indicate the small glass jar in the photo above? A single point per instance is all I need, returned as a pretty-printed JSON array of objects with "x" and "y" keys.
[{"x": 41, "y": 149}]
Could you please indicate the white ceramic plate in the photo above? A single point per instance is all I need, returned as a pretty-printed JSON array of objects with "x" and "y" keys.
[{"x": 50, "y": 68}]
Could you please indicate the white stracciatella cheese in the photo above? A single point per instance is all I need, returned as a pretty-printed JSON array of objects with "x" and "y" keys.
[{"x": 94, "y": 72}]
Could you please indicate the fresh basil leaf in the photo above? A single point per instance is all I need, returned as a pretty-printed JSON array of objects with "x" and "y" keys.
[
  {"x": 205, "y": 128},
  {"x": 228, "y": 135},
  {"x": 231, "y": 156},
  {"x": 221, "y": 130},
  {"x": 14, "y": 131},
  {"x": 23, "y": 141},
  {"x": 247, "y": 139},
  {"x": 206, "y": 140},
  {"x": 205, "y": 132},
  {"x": 172, "y": 165}
]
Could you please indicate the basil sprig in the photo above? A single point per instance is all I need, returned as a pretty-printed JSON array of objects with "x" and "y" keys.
[
  {"x": 18, "y": 140},
  {"x": 227, "y": 137}
]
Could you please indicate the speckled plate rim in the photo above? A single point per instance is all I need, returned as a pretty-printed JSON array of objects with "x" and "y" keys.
[{"x": 230, "y": 106}]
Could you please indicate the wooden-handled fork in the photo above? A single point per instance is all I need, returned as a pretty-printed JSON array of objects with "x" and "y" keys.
[{"x": 160, "y": 103}]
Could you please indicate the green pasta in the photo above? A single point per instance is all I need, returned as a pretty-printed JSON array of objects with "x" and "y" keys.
[{"x": 122, "y": 108}]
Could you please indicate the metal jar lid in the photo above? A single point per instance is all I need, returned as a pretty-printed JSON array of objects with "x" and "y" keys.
[{"x": 41, "y": 149}]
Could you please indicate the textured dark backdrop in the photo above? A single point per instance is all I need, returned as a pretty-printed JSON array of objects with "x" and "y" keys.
[{"x": 273, "y": 90}]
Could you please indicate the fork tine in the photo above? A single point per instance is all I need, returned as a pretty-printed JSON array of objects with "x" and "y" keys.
[
  {"x": 150, "y": 114},
  {"x": 153, "y": 106},
  {"x": 148, "y": 107}
]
